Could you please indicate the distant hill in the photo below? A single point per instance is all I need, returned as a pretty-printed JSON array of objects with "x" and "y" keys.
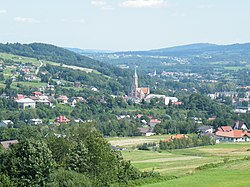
[
  {"x": 60, "y": 55},
  {"x": 181, "y": 56},
  {"x": 89, "y": 51}
]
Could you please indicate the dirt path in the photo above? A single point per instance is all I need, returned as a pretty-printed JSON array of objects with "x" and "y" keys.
[{"x": 169, "y": 159}]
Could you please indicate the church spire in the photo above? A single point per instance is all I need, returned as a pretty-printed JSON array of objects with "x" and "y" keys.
[
  {"x": 135, "y": 72},
  {"x": 135, "y": 85}
]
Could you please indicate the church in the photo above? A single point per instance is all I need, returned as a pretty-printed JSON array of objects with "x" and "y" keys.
[{"x": 136, "y": 92}]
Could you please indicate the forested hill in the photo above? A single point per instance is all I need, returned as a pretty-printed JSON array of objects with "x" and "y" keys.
[
  {"x": 191, "y": 56},
  {"x": 60, "y": 55}
]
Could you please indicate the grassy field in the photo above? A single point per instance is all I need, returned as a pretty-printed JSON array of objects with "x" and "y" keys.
[
  {"x": 183, "y": 163},
  {"x": 129, "y": 142},
  {"x": 231, "y": 175}
]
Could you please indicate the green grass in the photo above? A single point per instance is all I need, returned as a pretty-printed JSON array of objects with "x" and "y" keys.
[
  {"x": 182, "y": 163},
  {"x": 230, "y": 175}
]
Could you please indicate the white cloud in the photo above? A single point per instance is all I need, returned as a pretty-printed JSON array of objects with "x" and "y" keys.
[
  {"x": 143, "y": 3},
  {"x": 102, "y": 4},
  {"x": 3, "y": 11},
  {"x": 25, "y": 20}
]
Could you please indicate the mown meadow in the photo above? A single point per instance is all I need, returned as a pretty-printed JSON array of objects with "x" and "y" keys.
[{"x": 225, "y": 164}]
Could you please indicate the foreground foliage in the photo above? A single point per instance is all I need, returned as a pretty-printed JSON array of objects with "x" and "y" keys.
[{"x": 80, "y": 158}]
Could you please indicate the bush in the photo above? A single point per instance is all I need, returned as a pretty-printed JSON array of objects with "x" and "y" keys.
[{"x": 65, "y": 178}]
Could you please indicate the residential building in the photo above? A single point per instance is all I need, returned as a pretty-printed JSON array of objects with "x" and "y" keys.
[
  {"x": 154, "y": 122},
  {"x": 206, "y": 129},
  {"x": 233, "y": 136},
  {"x": 63, "y": 99},
  {"x": 26, "y": 103},
  {"x": 62, "y": 119},
  {"x": 6, "y": 123},
  {"x": 7, "y": 144},
  {"x": 177, "y": 136},
  {"x": 146, "y": 131},
  {"x": 35, "y": 121}
]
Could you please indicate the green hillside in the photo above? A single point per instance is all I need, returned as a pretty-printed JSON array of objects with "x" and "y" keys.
[{"x": 73, "y": 67}]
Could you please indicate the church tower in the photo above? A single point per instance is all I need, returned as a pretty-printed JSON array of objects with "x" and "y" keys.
[{"x": 134, "y": 89}]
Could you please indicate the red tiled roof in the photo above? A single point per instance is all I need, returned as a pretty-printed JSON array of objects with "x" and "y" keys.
[
  {"x": 62, "y": 119},
  {"x": 225, "y": 128},
  {"x": 145, "y": 90},
  {"x": 176, "y": 103},
  {"x": 139, "y": 115},
  {"x": 36, "y": 93},
  {"x": 63, "y": 97},
  {"x": 177, "y": 136},
  {"x": 155, "y": 121},
  {"x": 19, "y": 96},
  {"x": 233, "y": 134}
]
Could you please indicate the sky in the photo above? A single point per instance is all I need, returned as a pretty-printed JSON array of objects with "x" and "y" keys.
[{"x": 124, "y": 24}]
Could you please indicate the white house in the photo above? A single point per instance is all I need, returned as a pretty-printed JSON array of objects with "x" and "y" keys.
[
  {"x": 6, "y": 123},
  {"x": 232, "y": 136},
  {"x": 35, "y": 121},
  {"x": 26, "y": 103},
  {"x": 152, "y": 96}
]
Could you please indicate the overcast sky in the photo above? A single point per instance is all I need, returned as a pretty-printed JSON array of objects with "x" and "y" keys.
[{"x": 124, "y": 24}]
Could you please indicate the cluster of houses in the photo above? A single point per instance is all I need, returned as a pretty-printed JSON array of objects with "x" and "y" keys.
[
  {"x": 147, "y": 128},
  {"x": 239, "y": 132},
  {"x": 240, "y": 101},
  {"x": 24, "y": 102},
  {"x": 38, "y": 97}
]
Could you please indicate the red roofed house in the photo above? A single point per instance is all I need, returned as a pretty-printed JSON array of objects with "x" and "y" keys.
[
  {"x": 227, "y": 134},
  {"x": 154, "y": 122},
  {"x": 19, "y": 96},
  {"x": 62, "y": 119},
  {"x": 63, "y": 99},
  {"x": 177, "y": 136},
  {"x": 36, "y": 94},
  {"x": 225, "y": 128},
  {"x": 139, "y": 116}
]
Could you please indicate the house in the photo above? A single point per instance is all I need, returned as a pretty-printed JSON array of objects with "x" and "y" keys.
[
  {"x": 154, "y": 122},
  {"x": 164, "y": 98},
  {"x": 63, "y": 99},
  {"x": 7, "y": 144},
  {"x": 172, "y": 99},
  {"x": 232, "y": 136},
  {"x": 177, "y": 136},
  {"x": 239, "y": 125},
  {"x": 37, "y": 94},
  {"x": 77, "y": 84},
  {"x": 50, "y": 87},
  {"x": 79, "y": 120},
  {"x": 35, "y": 121},
  {"x": 26, "y": 103},
  {"x": 62, "y": 119},
  {"x": 6, "y": 123},
  {"x": 146, "y": 131},
  {"x": 138, "y": 116},
  {"x": 72, "y": 102},
  {"x": 19, "y": 96},
  {"x": 206, "y": 129},
  {"x": 225, "y": 128},
  {"x": 94, "y": 89}
]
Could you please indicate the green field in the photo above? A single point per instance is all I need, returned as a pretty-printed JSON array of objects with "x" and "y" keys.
[{"x": 183, "y": 163}]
